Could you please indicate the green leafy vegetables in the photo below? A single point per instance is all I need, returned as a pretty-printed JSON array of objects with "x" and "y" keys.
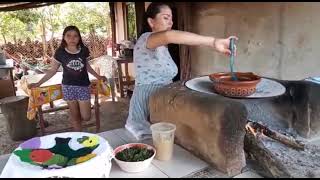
[{"x": 134, "y": 154}]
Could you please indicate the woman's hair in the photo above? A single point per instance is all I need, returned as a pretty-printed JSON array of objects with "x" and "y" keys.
[
  {"x": 71, "y": 28},
  {"x": 152, "y": 10}
]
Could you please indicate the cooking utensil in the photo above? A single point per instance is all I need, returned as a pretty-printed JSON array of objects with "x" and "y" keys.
[{"x": 232, "y": 48}]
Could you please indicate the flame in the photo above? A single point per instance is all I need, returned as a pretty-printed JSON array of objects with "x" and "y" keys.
[
  {"x": 256, "y": 131},
  {"x": 251, "y": 129}
]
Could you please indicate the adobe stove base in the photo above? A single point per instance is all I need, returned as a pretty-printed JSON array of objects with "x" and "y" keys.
[
  {"x": 210, "y": 126},
  {"x": 213, "y": 127}
]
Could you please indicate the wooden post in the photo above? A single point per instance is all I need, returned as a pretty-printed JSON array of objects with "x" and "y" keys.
[
  {"x": 97, "y": 110},
  {"x": 113, "y": 27},
  {"x": 184, "y": 24},
  {"x": 120, "y": 80},
  {"x": 140, "y": 9},
  {"x": 125, "y": 19},
  {"x": 41, "y": 120},
  {"x": 51, "y": 104},
  {"x": 12, "y": 80}
]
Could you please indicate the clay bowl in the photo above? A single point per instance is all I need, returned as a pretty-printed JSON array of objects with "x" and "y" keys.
[{"x": 244, "y": 86}]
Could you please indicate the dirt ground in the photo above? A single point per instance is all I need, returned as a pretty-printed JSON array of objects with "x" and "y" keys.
[{"x": 112, "y": 116}]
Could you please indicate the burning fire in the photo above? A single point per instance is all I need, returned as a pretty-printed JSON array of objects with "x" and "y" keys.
[
  {"x": 256, "y": 130},
  {"x": 259, "y": 130},
  {"x": 251, "y": 129}
]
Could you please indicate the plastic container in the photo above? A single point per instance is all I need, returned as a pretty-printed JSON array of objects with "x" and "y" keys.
[
  {"x": 133, "y": 167},
  {"x": 163, "y": 139}
]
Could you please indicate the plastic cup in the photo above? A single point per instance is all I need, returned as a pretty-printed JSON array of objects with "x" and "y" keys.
[{"x": 163, "y": 139}]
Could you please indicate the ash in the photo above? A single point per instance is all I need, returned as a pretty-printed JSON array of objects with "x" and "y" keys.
[{"x": 299, "y": 163}]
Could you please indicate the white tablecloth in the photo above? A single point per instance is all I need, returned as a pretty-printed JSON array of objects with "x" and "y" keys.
[{"x": 96, "y": 167}]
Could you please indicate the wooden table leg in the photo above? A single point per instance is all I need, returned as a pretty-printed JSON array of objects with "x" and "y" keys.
[
  {"x": 97, "y": 111},
  {"x": 51, "y": 104},
  {"x": 12, "y": 80},
  {"x": 111, "y": 82},
  {"x": 41, "y": 120},
  {"x": 120, "y": 80}
]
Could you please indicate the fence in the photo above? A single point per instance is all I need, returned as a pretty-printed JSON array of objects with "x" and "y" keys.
[{"x": 31, "y": 54}]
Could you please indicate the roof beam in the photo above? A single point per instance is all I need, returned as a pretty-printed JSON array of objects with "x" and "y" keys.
[{"x": 25, "y": 5}]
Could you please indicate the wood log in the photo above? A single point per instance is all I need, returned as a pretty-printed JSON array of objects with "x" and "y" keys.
[
  {"x": 256, "y": 127},
  {"x": 267, "y": 160},
  {"x": 280, "y": 160}
]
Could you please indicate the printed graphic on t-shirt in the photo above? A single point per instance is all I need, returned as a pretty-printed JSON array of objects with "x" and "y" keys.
[{"x": 76, "y": 64}]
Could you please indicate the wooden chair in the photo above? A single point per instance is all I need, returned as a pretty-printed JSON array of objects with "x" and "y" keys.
[{"x": 125, "y": 83}]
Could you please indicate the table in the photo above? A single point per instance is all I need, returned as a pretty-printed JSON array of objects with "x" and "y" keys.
[
  {"x": 127, "y": 82},
  {"x": 51, "y": 91},
  {"x": 69, "y": 154},
  {"x": 9, "y": 91}
]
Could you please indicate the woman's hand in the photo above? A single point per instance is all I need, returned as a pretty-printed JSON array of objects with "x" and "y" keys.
[
  {"x": 222, "y": 45},
  {"x": 103, "y": 78},
  {"x": 33, "y": 85}
]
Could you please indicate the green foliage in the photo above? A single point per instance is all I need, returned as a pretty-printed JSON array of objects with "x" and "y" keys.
[
  {"x": 131, "y": 21},
  {"x": 134, "y": 154},
  {"x": 12, "y": 27},
  {"x": 18, "y": 24},
  {"x": 85, "y": 17},
  {"x": 28, "y": 23},
  {"x": 26, "y": 16},
  {"x": 4, "y": 23},
  {"x": 52, "y": 14}
]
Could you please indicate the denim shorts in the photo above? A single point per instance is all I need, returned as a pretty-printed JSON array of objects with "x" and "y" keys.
[{"x": 76, "y": 93}]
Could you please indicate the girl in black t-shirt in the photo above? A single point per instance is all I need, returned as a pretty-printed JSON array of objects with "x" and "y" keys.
[{"x": 73, "y": 55}]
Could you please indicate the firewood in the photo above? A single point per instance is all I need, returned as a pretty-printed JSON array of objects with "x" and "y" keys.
[
  {"x": 272, "y": 166},
  {"x": 254, "y": 127}
]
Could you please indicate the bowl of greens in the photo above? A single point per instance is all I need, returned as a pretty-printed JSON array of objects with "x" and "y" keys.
[{"x": 134, "y": 157}]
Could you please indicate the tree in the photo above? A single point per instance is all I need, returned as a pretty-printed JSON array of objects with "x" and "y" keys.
[
  {"x": 12, "y": 27},
  {"x": 18, "y": 24},
  {"x": 38, "y": 22},
  {"x": 4, "y": 26},
  {"x": 84, "y": 17},
  {"x": 27, "y": 16},
  {"x": 53, "y": 17}
]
